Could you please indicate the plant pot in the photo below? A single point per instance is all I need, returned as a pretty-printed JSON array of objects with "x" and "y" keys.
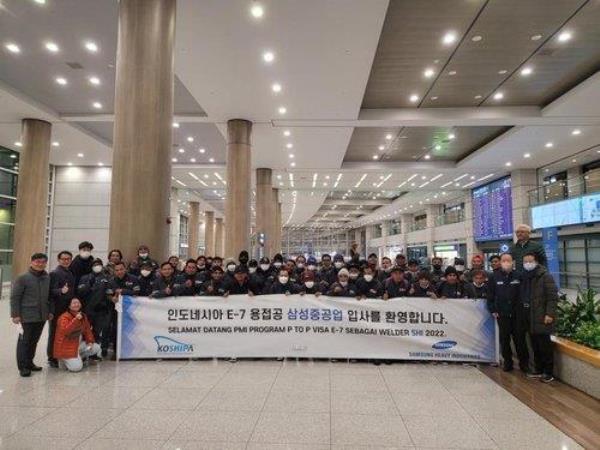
[{"x": 577, "y": 365}]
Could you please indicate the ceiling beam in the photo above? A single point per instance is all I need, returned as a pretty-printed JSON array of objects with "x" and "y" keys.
[{"x": 357, "y": 202}]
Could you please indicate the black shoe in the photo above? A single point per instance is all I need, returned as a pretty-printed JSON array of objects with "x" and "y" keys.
[
  {"x": 507, "y": 368},
  {"x": 25, "y": 372},
  {"x": 387, "y": 362},
  {"x": 377, "y": 362},
  {"x": 533, "y": 375},
  {"x": 35, "y": 368},
  {"x": 547, "y": 378},
  {"x": 53, "y": 363},
  {"x": 524, "y": 369},
  {"x": 104, "y": 353},
  {"x": 95, "y": 358}
]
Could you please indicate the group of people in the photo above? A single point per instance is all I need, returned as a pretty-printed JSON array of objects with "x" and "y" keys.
[{"x": 78, "y": 297}]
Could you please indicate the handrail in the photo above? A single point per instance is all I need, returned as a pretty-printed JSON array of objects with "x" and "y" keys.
[{"x": 564, "y": 189}]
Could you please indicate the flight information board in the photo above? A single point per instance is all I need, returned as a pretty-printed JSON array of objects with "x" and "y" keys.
[{"x": 492, "y": 211}]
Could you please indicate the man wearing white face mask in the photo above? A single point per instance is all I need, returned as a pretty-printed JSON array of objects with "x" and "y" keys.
[
  {"x": 342, "y": 287},
  {"x": 539, "y": 296},
  {"x": 309, "y": 286},
  {"x": 82, "y": 263},
  {"x": 368, "y": 286},
  {"x": 62, "y": 290},
  {"x": 229, "y": 270},
  {"x": 143, "y": 257},
  {"x": 283, "y": 285}
]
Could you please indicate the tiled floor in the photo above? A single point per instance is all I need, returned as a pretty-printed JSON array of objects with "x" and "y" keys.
[{"x": 262, "y": 405}]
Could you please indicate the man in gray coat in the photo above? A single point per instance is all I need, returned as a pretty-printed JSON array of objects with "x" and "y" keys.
[
  {"x": 539, "y": 296},
  {"x": 30, "y": 307}
]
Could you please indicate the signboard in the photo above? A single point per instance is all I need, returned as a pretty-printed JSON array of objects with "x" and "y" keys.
[
  {"x": 306, "y": 327},
  {"x": 492, "y": 211},
  {"x": 590, "y": 208},
  {"x": 550, "y": 241},
  {"x": 557, "y": 214}
]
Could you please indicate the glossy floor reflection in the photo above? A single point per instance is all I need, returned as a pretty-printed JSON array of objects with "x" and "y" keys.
[{"x": 262, "y": 405}]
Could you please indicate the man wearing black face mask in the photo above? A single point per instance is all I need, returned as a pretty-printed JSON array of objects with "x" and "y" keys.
[
  {"x": 265, "y": 276},
  {"x": 437, "y": 274},
  {"x": 243, "y": 259}
]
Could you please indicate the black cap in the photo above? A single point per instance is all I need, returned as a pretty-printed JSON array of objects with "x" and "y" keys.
[
  {"x": 265, "y": 260},
  {"x": 147, "y": 264},
  {"x": 459, "y": 262},
  {"x": 413, "y": 262},
  {"x": 217, "y": 269},
  {"x": 97, "y": 261},
  {"x": 396, "y": 269},
  {"x": 252, "y": 263},
  {"x": 373, "y": 255},
  {"x": 86, "y": 244},
  {"x": 338, "y": 257},
  {"x": 449, "y": 270},
  {"x": 278, "y": 257},
  {"x": 240, "y": 269}
]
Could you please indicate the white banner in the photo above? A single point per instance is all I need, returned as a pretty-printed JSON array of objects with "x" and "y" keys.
[{"x": 306, "y": 327}]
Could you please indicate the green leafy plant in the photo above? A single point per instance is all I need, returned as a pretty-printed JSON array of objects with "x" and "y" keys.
[
  {"x": 588, "y": 334},
  {"x": 572, "y": 315}
]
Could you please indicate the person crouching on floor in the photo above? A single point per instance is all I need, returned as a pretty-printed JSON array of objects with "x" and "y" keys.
[{"x": 74, "y": 340}]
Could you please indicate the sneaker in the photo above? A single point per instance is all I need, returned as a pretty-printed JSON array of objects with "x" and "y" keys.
[
  {"x": 507, "y": 368},
  {"x": 35, "y": 368},
  {"x": 53, "y": 363},
  {"x": 533, "y": 374},
  {"x": 547, "y": 378},
  {"x": 25, "y": 373}
]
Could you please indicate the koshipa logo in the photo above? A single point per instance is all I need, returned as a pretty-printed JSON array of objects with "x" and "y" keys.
[
  {"x": 444, "y": 345},
  {"x": 168, "y": 345}
]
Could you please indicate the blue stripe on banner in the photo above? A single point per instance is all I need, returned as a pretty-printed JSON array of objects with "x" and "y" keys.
[
  {"x": 128, "y": 324},
  {"x": 488, "y": 330}
]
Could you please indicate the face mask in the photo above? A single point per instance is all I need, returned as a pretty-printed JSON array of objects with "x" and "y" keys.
[
  {"x": 353, "y": 276},
  {"x": 277, "y": 264},
  {"x": 264, "y": 267},
  {"x": 200, "y": 266},
  {"x": 251, "y": 269},
  {"x": 343, "y": 283},
  {"x": 529, "y": 266},
  {"x": 145, "y": 272},
  {"x": 312, "y": 267},
  {"x": 423, "y": 285},
  {"x": 97, "y": 269},
  {"x": 347, "y": 258},
  {"x": 309, "y": 284},
  {"x": 368, "y": 278},
  {"x": 459, "y": 268},
  {"x": 338, "y": 264},
  {"x": 300, "y": 265},
  {"x": 85, "y": 254},
  {"x": 506, "y": 266},
  {"x": 283, "y": 280},
  {"x": 477, "y": 284},
  {"x": 231, "y": 267},
  {"x": 143, "y": 255}
]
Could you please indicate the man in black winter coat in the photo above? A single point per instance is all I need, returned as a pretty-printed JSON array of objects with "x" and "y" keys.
[
  {"x": 62, "y": 290},
  {"x": 82, "y": 263},
  {"x": 189, "y": 282},
  {"x": 92, "y": 291}
]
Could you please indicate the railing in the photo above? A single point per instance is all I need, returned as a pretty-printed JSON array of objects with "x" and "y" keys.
[
  {"x": 450, "y": 217},
  {"x": 564, "y": 189},
  {"x": 416, "y": 226}
]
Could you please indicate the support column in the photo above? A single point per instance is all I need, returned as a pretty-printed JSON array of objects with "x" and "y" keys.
[
  {"x": 174, "y": 225},
  {"x": 141, "y": 171},
  {"x": 237, "y": 203},
  {"x": 265, "y": 209},
  {"x": 522, "y": 181},
  {"x": 470, "y": 237},
  {"x": 219, "y": 237},
  {"x": 32, "y": 193},
  {"x": 209, "y": 233},
  {"x": 277, "y": 235},
  {"x": 193, "y": 229}
]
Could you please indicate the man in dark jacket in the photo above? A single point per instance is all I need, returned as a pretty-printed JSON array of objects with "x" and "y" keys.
[
  {"x": 30, "y": 307},
  {"x": 164, "y": 285},
  {"x": 396, "y": 285},
  {"x": 308, "y": 285},
  {"x": 283, "y": 284},
  {"x": 343, "y": 287},
  {"x": 92, "y": 291},
  {"x": 62, "y": 290},
  {"x": 82, "y": 263},
  {"x": 539, "y": 296},
  {"x": 477, "y": 288},
  {"x": 327, "y": 273},
  {"x": 451, "y": 287},
  {"x": 146, "y": 278},
  {"x": 189, "y": 282},
  {"x": 239, "y": 284},
  {"x": 215, "y": 286},
  {"x": 143, "y": 256},
  {"x": 525, "y": 245},
  {"x": 437, "y": 273},
  {"x": 423, "y": 287},
  {"x": 504, "y": 302},
  {"x": 368, "y": 286},
  {"x": 122, "y": 283}
]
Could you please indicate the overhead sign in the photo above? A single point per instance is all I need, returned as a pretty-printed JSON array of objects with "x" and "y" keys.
[{"x": 306, "y": 326}]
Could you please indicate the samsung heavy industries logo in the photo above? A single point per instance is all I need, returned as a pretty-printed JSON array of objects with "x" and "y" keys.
[
  {"x": 444, "y": 345},
  {"x": 168, "y": 345}
]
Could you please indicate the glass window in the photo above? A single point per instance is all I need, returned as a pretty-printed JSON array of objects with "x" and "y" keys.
[
  {"x": 6, "y": 265},
  {"x": 6, "y": 236},
  {"x": 7, "y": 210},
  {"x": 8, "y": 183}
]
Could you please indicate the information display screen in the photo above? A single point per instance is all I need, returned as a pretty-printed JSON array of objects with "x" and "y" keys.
[
  {"x": 590, "y": 205},
  {"x": 557, "y": 214},
  {"x": 492, "y": 211}
]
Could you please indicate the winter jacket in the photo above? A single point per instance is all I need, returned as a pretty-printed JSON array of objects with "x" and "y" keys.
[
  {"x": 30, "y": 297},
  {"x": 59, "y": 278},
  {"x": 369, "y": 289},
  {"x": 69, "y": 331},
  {"x": 394, "y": 290},
  {"x": 539, "y": 297},
  {"x": 518, "y": 250},
  {"x": 504, "y": 293},
  {"x": 92, "y": 292}
]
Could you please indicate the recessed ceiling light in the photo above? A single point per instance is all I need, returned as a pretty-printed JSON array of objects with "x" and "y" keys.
[
  {"x": 101, "y": 164},
  {"x": 69, "y": 164},
  {"x": 90, "y": 46},
  {"x": 175, "y": 124},
  {"x": 477, "y": 97},
  {"x": 574, "y": 160},
  {"x": 414, "y": 98},
  {"x": 61, "y": 80},
  {"x": 289, "y": 145},
  {"x": 564, "y": 36},
  {"x": 508, "y": 164},
  {"x": 381, "y": 147},
  {"x": 55, "y": 144},
  {"x": 427, "y": 156},
  {"x": 527, "y": 155},
  {"x": 190, "y": 139},
  {"x": 94, "y": 80},
  {"x": 174, "y": 159},
  {"x": 211, "y": 160},
  {"x": 192, "y": 160},
  {"x": 97, "y": 105},
  {"x": 40, "y": 2},
  {"x": 451, "y": 136},
  {"x": 476, "y": 38},
  {"x": 268, "y": 56},
  {"x": 80, "y": 155},
  {"x": 549, "y": 145},
  {"x": 388, "y": 137},
  {"x": 282, "y": 110},
  {"x": 205, "y": 175},
  {"x": 502, "y": 72},
  {"x": 428, "y": 73},
  {"x": 498, "y": 96},
  {"x": 276, "y": 87},
  {"x": 18, "y": 144},
  {"x": 576, "y": 132},
  {"x": 12, "y": 47},
  {"x": 434, "y": 98},
  {"x": 536, "y": 37},
  {"x": 293, "y": 164},
  {"x": 438, "y": 147},
  {"x": 51, "y": 47},
  {"x": 257, "y": 10},
  {"x": 449, "y": 38},
  {"x": 287, "y": 133},
  {"x": 181, "y": 150},
  {"x": 375, "y": 157},
  {"x": 202, "y": 150},
  {"x": 525, "y": 71},
  {"x": 291, "y": 155},
  {"x": 452, "y": 73}
]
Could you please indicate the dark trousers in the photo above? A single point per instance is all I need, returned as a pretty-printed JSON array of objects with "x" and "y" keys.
[
  {"x": 543, "y": 353},
  {"x": 27, "y": 343},
  {"x": 51, "y": 332},
  {"x": 511, "y": 327},
  {"x": 100, "y": 327}
]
